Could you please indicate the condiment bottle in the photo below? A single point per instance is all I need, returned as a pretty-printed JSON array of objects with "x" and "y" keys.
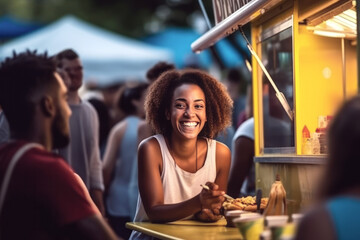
[
  {"x": 315, "y": 143},
  {"x": 305, "y": 138}
]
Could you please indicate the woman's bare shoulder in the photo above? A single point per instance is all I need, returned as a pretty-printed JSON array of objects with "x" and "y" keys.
[
  {"x": 149, "y": 142},
  {"x": 149, "y": 153},
  {"x": 149, "y": 147},
  {"x": 222, "y": 148}
]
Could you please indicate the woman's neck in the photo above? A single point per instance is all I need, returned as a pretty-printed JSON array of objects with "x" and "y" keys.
[
  {"x": 184, "y": 153},
  {"x": 182, "y": 147}
]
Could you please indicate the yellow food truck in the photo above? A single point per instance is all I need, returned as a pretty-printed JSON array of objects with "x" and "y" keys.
[{"x": 308, "y": 50}]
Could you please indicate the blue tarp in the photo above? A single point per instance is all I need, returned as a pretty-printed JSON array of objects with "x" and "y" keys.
[
  {"x": 10, "y": 27},
  {"x": 178, "y": 40}
]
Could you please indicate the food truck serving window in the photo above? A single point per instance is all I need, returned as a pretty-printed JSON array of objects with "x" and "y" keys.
[{"x": 277, "y": 56}]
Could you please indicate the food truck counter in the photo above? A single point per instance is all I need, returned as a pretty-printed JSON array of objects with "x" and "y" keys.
[
  {"x": 291, "y": 159},
  {"x": 299, "y": 175}
]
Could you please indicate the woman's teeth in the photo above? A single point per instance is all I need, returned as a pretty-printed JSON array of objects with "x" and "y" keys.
[{"x": 189, "y": 124}]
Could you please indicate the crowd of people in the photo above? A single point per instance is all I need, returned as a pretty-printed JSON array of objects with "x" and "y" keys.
[
  {"x": 41, "y": 196},
  {"x": 64, "y": 131},
  {"x": 68, "y": 171}
]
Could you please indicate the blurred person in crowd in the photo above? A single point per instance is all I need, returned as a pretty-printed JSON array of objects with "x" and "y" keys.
[
  {"x": 102, "y": 98},
  {"x": 42, "y": 197},
  {"x": 155, "y": 71},
  {"x": 152, "y": 74},
  {"x": 82, "y": 153},
  {"x": 226, "y": 137},
  {"x": 104, "y": 122},
  {"x": 336, "y": 214},
  {"x": 186, "y": 109},
  {"x": 120, "y": 161},
  {"x": 242, "y": 171},
  {"x": 4, "y": 128},
  {"x": 248, "y": 111},
  {"x": 110, "y": 95},
  {"x": 235, "y": 83},
  {"x": 64, "y": 76}
]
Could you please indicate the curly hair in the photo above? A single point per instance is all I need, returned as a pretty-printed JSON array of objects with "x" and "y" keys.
[
  {"x": 218, "y": 101},
  {"x": 155, "y": 71},
  {"x": 21, "y": 76}
]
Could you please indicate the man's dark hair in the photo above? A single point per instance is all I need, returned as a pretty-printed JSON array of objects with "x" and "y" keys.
[
  {"x": 21, "y": 76},
  {"x": 68, "y": 54},
  {"x": 129, "y": 94},
  {"x": 154, "y": 72}
]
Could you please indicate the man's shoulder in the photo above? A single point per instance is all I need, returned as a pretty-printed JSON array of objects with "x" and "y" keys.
[
  {"x": 245, "y": 129},
  {"x": 11, "y": 147},
  {"x": 83, "y": 109},
  {"x": 35, "y": 159},
  {"x": 83, "y": 105},
  {"x": 88, "y": 108},
  {"x": 44, "y": 159}
]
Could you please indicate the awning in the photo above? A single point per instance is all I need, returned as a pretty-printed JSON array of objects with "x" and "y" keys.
[{"x": 230, "y": 24}]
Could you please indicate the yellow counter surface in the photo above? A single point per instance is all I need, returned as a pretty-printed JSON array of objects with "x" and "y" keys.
[{"x": 186, "y": 229}]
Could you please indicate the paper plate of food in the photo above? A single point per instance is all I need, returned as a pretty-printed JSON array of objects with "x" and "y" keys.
[{"x": 239, "y": 206}]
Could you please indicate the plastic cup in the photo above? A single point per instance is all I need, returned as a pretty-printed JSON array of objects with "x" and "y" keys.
[
  {"x": 265, "y": 235},
  {"x": 296, "y": 217},
  {"x": 230, "y": 215},
  {"x": 250, "y": 226},
  {"x": 276, "y": 221},
  {"x": 283, "y": 232}
]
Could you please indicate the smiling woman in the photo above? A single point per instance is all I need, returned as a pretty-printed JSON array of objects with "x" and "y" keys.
[
  {"x": 183, "y": 155},
  {"x": 218, "y": 102}
]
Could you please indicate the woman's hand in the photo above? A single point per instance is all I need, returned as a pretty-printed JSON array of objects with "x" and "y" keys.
[
  {"x": 212, "y": 199},
  {"x": 207, "y": 215}
]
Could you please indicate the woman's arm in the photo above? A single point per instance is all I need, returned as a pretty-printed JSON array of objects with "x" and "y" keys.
[
  {"x": 112, "y": 148},
  {"x": 223, "y": 158},
  {"x": 151, "y": 189}
]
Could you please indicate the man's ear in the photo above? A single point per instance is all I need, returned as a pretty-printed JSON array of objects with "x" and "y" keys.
[{"x": 47, "y": 106}]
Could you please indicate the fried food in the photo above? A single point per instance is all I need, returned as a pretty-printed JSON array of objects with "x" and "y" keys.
[{"x": 245, "y": 203}]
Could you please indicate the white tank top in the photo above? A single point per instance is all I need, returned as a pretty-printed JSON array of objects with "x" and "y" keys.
[{"x": 180, "y": 185}]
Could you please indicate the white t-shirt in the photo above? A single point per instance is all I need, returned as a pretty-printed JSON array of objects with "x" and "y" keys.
[{"x": 246, "y": 129}]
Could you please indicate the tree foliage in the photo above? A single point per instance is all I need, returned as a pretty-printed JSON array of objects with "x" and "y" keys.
[{"x": 133, "y": 18}]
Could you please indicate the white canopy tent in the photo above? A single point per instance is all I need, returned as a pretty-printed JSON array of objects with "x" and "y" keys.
[{"x": 107, "y": 57}]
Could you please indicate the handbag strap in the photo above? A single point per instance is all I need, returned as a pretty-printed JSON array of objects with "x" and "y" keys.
[{"x": 18, "y": 154}]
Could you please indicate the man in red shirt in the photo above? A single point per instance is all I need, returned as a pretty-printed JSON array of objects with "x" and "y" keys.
[{"x": 43, "y": 199}]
